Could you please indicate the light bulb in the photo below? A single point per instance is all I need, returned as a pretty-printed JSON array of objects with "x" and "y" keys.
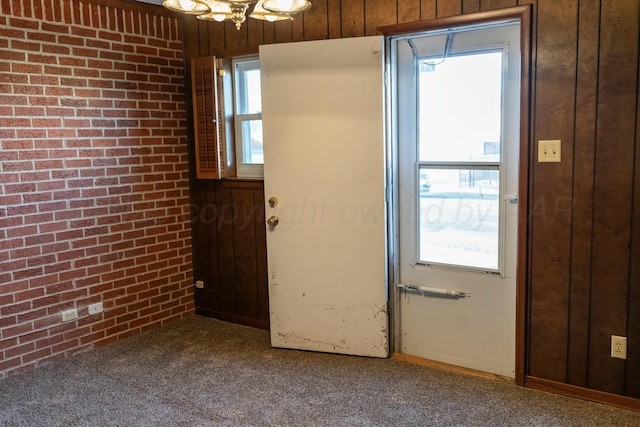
[
  {"x": 284, "y": 4},
  {"x": 187, "y": 4}
]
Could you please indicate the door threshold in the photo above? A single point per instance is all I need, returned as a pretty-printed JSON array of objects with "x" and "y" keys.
[{"x": 449, "y": 368}]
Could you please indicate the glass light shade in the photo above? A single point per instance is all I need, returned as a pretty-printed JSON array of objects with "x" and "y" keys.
[
  {"x": 260, "y": 12},
  {"x": 286, "y": 6},
  {"x": 219, "y": 12},
  {"x": 190, "y": 7}
]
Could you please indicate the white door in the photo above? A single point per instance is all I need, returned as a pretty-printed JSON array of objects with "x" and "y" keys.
[
  {"x": 458, "y": 138},
  {"x": 324, "y": 162}
]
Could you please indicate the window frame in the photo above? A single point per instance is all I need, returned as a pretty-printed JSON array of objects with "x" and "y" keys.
[
  {"x": 475, "y": 164},
  {"x": 243, "y": 64}
]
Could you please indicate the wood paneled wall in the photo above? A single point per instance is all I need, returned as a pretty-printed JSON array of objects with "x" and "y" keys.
[
  {"x": 584, "y": 220},
  {"x": 583, "y": 285},
  {"x": 230, "y": 255}
]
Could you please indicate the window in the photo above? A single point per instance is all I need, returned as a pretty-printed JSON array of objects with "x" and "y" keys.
[
  {"x": 459, "y": 159},
  {"x": 247, "y": 114}
]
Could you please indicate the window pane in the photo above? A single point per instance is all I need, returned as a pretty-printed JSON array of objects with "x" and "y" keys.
[
  {"x": 460, "y": 108},
  {"x": 252, "y": 142},
  {"x": 249, "y": 95},
  {"x": 459, "y": 217}
]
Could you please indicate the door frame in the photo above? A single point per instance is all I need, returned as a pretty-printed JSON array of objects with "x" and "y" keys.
[{"x": 524, "y": 15}]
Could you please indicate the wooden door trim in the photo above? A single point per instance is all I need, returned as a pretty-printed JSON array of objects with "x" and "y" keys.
[
  {"x": 583, "y": 393},
  {"x": 524, "y": 15}
]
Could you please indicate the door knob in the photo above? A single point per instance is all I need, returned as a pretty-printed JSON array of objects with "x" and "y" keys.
[
  {"x": 273, "y": 202},
  {"x": 273, "y": 221}
]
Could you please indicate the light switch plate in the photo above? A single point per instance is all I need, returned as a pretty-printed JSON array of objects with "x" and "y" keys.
[{"x": 549, "y": 150}]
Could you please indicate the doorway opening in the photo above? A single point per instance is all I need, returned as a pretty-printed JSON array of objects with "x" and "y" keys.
[{"x": 455, "y": 120}]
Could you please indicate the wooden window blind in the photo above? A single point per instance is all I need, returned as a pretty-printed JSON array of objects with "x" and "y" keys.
[{"x": 208, "y": 147}]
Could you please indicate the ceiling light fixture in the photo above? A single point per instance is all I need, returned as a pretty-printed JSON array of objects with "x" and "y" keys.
[{"x": 236, "y": 10}]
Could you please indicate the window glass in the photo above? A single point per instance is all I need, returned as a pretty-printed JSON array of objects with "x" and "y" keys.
[
  {"x": 460, "y": 122},
  {"x": 460, "y": 107},
  {"x": 459, "y": 217},
  {"x": 252, "y": 142},
  {"x": 248, "y": 117},
  {"x": 249, "y": 97}
]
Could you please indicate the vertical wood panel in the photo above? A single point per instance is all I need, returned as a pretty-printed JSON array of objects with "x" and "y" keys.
[
  {"x": 212, "y": 283},
  {"x": 497, "y": 4},
  {"x": 234, "y": 38},
  {"x": 316, "y": 21},
  {"x": 352, "y": 18},
  {"x": 261, "y": 256},
  {"x": 226, "y": 267},
  {"x": 334, "y": 18},
  {"x": 216, "y": 38},
  {"x": 200, "y": 240},
  {"x": 255, "y": 31},
  {"x": 269, "y": 32},
  {"x": 632, "y": 372},
  {"x": 617, "y": 91},
  {"x": 448, "y": 8},
  {"x": 583, "y": 167},
  {"x": 428, "y": 9},
  {"x": 244, "y": 252},
  {"x": 470, "y": 6},
  {"x": 408, "y": 11},
  {"x": 297, "y": 28},
  {"x": 551, "y": 190},
  {"x": 284, "y": 32},
  {"x": 378, "y": 13}
]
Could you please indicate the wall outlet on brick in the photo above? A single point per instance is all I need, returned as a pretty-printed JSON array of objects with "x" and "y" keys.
[
  {"x": 69, "y": 315},
  {"x": 96, "y": 308}
]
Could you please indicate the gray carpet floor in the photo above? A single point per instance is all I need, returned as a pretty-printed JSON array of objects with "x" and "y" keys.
[{"x": 204, "y": 372}]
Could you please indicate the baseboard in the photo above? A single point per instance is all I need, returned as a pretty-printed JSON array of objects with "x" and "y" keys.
[
  {"x": 234, "y": 318},
  {"x": 583, "y": 393},
  {"x": 449, "y": 368}
]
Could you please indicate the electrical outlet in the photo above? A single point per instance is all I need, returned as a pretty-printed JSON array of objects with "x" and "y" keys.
[
  {"x": 549, "y": 150},
  {"x": 618, "y": 347},
  {"x": 69, "y": 315},
  {"x": 96, "y": 308}
]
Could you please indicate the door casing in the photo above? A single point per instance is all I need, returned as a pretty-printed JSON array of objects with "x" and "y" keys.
[{"x": 523, "y": 14}]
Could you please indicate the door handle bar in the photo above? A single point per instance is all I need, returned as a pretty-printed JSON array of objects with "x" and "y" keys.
[{"x": 425, "y": 289}]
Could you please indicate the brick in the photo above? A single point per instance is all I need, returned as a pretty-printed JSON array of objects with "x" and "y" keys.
[
  {"x": 15, "y": 308},
  {"x": 84, "y": 32},
  {"x": 36, "y": 355},
  {"x": 55, "y": 70},
  {"x": 56, "y": 49},
  {"x": 22, "y": 23},
  {"x": 8, "y": 364},
  {"x": 55, "y": 28},
  {"x": 71, "y": 40},
  {"x": 42, "y": 59},
  {"x": 44, "y": 37}
]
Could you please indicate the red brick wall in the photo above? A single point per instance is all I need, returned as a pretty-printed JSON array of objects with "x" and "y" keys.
[{"x": 94, "y": 195}]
